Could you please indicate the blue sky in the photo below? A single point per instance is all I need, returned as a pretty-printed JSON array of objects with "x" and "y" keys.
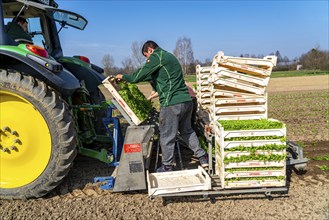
[{"x": 234, "y": 27}]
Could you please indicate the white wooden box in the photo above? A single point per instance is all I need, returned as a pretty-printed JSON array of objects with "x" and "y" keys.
[
  {"x": 109, "y": 85},
  {"x": 178, "y": 181}
]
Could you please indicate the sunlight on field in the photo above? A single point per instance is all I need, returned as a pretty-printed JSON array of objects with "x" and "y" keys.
[{"x": 306, "y": 114}]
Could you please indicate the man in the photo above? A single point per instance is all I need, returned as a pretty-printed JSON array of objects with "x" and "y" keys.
[
  {"x": 154, "y": 94},
  {"x": 18, "y": 30},
  {"x": 164, "y": 70}
]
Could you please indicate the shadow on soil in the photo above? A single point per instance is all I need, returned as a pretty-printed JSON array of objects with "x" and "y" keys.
[{"x": 85, "y": 169}]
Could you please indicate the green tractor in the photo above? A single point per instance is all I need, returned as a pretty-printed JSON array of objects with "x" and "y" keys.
[{"x": 50, "y": 105}]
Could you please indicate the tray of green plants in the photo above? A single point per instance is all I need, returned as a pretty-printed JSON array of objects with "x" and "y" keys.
[
  {"x": 230, "y": 125},
  {"x": 250, "y": 182},
  {"x": 262, "y": 172},
  {"x": 136, "y": 100},
  {"x": 249, "y": 130},
  {"x": 131, "y": 100}
]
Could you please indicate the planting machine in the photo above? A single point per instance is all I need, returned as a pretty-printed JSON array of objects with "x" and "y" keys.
[{"x": 53, "y": 107}]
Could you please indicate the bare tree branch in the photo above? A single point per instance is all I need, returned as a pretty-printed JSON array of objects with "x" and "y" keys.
[
  {"x": 128, "y": 65},
  {"x": 184, "y": 53},
  {"x": 137, "y": 56},
  {"x": 108, "y": 65}
]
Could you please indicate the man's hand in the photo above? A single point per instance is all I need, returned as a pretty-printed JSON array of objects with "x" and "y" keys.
[
  {"x": 119, "y": 76},
  {"x": 208, "y": 129},
  {"x": 152, "y": 95}
]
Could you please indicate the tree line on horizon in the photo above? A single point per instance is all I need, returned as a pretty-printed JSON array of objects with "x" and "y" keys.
[{"x": 314, "y": 59}]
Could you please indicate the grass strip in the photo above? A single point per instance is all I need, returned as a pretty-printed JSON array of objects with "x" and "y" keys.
[{"x": 323, "y": 157}]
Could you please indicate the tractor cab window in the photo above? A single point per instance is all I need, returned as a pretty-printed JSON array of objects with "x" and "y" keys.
[
  {"x": 34, "y": 27},
  {"x": 69, "y": 18}
]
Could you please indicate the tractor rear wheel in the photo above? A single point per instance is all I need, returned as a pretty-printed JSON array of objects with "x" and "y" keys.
[{"x": 37, "y": 137}]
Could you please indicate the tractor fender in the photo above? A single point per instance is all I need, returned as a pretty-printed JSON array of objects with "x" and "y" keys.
[
  {"x": 63, "y": 81},
  {"x": 92, "y": 78}
]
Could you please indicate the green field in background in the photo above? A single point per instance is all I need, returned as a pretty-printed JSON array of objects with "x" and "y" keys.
[{"x": 191, "y": 78}]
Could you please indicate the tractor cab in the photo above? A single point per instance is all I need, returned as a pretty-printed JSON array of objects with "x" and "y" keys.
[
  {"x": 42, "y": 18},
  {"x": 41, "y": 45}
]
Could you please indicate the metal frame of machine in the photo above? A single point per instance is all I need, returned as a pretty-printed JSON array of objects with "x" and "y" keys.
[{"x": 210, "y": 185}]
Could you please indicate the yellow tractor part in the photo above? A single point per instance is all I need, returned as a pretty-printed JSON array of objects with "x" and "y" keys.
[{"x": 25, "y": 141}]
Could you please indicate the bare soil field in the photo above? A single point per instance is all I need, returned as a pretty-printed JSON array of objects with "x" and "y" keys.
[{"x": 302, "y": 103}]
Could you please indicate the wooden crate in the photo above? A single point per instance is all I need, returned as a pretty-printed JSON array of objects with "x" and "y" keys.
[
  {"x": 178, "y": 181},
  {"x": 254, "y": 183},
  {"x": 265, "y": 62},
  {"x": 218, "y": 101},
  {"x": 238, "y": 84},
  {"x": 109, "y": 86},
  {"x": 226, "y": 73},
  {"x": 249, "y": 107},
  {"x": 202, "y": 69},
  {"x": 203, "y": 90},
  {"x": 252, "y": 66},
  {"x": 238, "y": 174},
  {"x": 244, "y": 116}
]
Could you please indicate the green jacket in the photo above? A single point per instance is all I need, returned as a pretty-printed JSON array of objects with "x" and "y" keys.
[
  {"x": 164, "y": 72},
  {"x": 16, "y": 32}
]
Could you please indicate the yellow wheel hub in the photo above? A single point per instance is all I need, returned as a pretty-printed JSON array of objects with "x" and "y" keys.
[{"x": 25, "y": 141}]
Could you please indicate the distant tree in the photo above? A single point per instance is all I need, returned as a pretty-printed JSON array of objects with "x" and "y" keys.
[
  {"x": 191, "y": 68},
  {"x": 137, "y": 56},
  {"x": 285, "y": 60},
  {"x": 279, "y": 57},
  {"x": 184, "y": 53},
  {"x": 315, "y": 59},
  {"x": 207, "y": 62},
  {"x": 108, "y": 64},
  {"x": 128, "y": 65}
]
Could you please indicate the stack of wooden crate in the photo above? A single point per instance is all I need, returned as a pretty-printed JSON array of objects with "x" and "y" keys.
[
  {"x": 203, "y": 87},
  {"x": 238, "y": 87},
  {"x": 234, "y": 93}
]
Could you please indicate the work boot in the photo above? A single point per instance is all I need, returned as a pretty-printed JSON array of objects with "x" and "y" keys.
[
  {"x": 204, "y": 161},
  {"x": 165, "y": 168}
]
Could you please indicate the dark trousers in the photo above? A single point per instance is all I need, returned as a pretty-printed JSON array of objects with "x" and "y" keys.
[
  {"x": 176, "y": 118},
  {"x": 195, "y": 107}
]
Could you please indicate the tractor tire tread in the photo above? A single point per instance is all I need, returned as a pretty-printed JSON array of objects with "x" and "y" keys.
[{"x": 61, "y": 126}]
